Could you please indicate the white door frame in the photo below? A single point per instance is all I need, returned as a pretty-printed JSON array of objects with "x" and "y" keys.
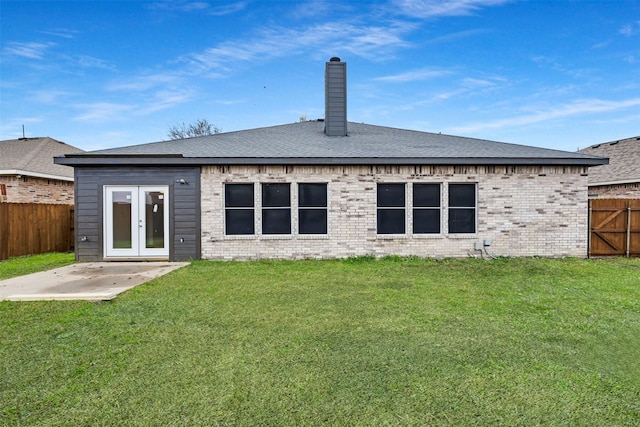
[{"x": 135, "y": 243}]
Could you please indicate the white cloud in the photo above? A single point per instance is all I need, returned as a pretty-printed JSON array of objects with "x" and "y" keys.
[
  {"x": 631, "y": 29},
  {"x": 372, "y": 42},
  {"x": 163, "y": 100},
  {"x": 49, "y": 96},
  {"x": 199, "y": 7},
  {"x": 575, "y": 108},
  {"x": 61, "y": 32},
  {"x": 227, "y": 9},
  {"x": 32, "y": 50},
  {"x": 145, "y": 82},
  {"x": 411, "y": 76},
  {"x": 86, "y": 61},
  {"x": 102, "y": 111},
  {"x": 439, "y": 8}
]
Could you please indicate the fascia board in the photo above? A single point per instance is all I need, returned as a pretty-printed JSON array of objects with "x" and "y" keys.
[{"x": 35, "y": 174}]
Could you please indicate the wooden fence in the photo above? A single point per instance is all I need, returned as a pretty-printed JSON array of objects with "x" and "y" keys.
[
  {"x": 31, "y": 228},
  {"x": 614, "y": 227}
]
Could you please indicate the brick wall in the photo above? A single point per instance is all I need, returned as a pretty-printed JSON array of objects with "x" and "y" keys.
[
  {"x": 525, "y": 211},
  {"x": 29, "y": 189},
  {"x": 624, "y": 191}
]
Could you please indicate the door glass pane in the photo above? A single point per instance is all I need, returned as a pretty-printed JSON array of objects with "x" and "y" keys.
[
  {"x": 121, "y": 208},
  {"x": 154, "y": 219}
]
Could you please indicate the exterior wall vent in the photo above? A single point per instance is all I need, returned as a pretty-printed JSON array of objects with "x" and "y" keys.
[{"x": 335, "y": 101}]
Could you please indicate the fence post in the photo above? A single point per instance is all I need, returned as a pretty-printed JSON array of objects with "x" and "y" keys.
[
  {"x": 4, "y": 231},
  {"x": 589, "y": 226},
  {"x": 628, "y": 254}
]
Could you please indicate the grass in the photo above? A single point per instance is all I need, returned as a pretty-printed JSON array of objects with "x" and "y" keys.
[
  {"x": 397, "y": 341},
  {"x": 19, "y": 266}
]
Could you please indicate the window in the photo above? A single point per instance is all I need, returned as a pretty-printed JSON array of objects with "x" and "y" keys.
[
  {"x": 312, "y": 208},
  {"x": 426, "y": 208},
  {"x": 391, "y": 209},
  {"x": 239, "y": 212},
  {"x": 462, "y": 208},
  {"x": 276, "y": 208}
]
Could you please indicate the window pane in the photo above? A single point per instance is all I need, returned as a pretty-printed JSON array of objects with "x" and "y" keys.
[
  {"x": 426, "y": 195},
  {"x": 238, "y": 195},
  {"x": 312, "y": 221},
  {"x": 390, "y": 221},
  {"x": 462, "y": 220},
  {"x": 426, "y": 221},
  {"x": 276, "y": 195},
  {"x": 462, "y": 195},
  {"x": 391, "y": 195},
  {"x": 312, "y": 195},
  {"x": 276, "y": 221},
  {"x": 239, "y": 221}
]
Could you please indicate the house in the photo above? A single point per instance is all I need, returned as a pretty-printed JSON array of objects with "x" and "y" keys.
[
  {"x": 28, "y": 174},
  {"x": 621, "y": 177},
  {"x": 329, "y": 188}
]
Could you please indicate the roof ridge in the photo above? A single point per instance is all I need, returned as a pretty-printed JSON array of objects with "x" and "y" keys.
[{"x": 42, "y": 143}]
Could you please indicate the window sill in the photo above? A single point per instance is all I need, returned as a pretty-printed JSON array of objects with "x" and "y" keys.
[
  {"x": 391, "y": 236},
  {"x": 276, "y": 237},
  {"x": 238, "y": 237},
  {"x": 312, "y": 237},
  {"x": 462, "y": 236}
]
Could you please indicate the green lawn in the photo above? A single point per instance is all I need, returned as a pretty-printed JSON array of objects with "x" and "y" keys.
[
  {"x": 19, "y": 266},
  {"x": 344, "y": 342}
]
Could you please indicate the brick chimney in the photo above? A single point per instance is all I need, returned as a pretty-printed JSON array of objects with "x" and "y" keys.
[{"x": 335, "y": 98}]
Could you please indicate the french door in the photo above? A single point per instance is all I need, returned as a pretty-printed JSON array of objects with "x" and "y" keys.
[{"x": 136, "y": 221}]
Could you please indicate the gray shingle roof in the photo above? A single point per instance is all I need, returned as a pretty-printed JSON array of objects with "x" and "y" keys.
[
  {"x": 624, "y": 162},
  {"x": 34, "y": 156},
  {"x": 306, "y": 143}
]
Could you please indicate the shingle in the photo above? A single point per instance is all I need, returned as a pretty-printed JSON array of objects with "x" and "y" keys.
[
  {"x": 307, "y": 140},
  {"x": 624, "y": 161},
  {"x": 35, "y": 155}
]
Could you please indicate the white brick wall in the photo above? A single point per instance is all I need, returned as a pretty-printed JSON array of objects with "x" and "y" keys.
[{"x": 525, "y": 211}]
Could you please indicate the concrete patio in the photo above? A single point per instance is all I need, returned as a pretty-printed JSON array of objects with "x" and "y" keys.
[{"x": 93, "y": 281}]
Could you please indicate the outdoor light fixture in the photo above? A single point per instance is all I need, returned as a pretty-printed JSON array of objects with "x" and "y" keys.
[{"x": 181, "y": 181}]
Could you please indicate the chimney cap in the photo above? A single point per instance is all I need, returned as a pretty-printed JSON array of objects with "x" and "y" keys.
[{"x": 334, "y": 59}]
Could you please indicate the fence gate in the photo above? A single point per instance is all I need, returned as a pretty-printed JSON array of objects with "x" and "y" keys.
[{"x": 614, "y": 227}]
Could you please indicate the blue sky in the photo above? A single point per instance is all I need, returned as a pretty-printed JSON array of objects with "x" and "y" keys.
[{"x": 555, "y": 74}]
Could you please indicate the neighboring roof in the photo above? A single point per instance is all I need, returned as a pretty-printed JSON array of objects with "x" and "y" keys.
[
  {"x": 306, "y": 143},
  {"x": 624, "y": 162},
  {"x": 34, "y": 157}
]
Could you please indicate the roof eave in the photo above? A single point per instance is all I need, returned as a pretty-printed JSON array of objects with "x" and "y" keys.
[
  {"x": 16, "y": 172},
  {"x": 619, "y": 182},
  {"x": 174, "y": 159}
]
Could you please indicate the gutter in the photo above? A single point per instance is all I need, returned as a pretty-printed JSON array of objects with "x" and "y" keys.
[
  {"x": 15, "y": 172},
  {"x": 177, "y": 159}
]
